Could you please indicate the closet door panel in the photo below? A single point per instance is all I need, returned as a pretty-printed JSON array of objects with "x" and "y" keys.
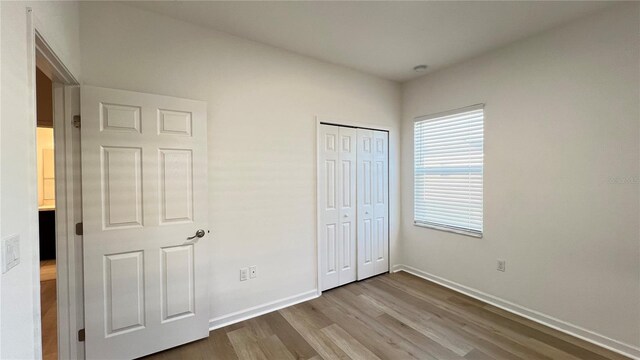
[
  {"x": 348, "y": 153},
  {"x": 365, "y": 190},
  {"x": 329, "y": 197},
  {"x": 381, "y": 201},
  {"x": 373, "y": 203}
]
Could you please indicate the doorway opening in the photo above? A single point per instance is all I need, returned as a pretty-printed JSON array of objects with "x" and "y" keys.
[{"x": 46, "y": 214}]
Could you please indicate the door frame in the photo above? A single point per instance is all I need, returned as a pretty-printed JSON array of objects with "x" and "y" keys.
[
  {"x": 332, "y": 120},
  {"x": 41, "y": 54}
]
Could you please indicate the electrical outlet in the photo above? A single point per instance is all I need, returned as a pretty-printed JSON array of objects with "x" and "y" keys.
[
  {"x": 244, "y": 274},
  {"x": 502, "y": 265},
  {"x": 10, "y": 252},
  {"x": 253, "y": 272}
]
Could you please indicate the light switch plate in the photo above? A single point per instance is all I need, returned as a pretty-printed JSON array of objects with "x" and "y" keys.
[{"x": 10, "y": 252}]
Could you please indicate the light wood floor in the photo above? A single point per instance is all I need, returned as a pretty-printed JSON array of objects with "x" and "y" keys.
[
  {"x": 393, "y": 316},
  {"x": 49, "y": 310},
  {"x": 47, "y": 270}
]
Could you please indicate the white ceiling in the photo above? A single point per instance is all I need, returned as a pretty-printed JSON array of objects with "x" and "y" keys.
[{"x": 386, "y": 39}]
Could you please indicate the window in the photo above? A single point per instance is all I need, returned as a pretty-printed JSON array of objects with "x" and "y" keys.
[{"x": 448, "y": 168}]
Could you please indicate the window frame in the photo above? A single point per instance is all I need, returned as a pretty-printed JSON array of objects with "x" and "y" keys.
[{"x": 443, "y": 227}]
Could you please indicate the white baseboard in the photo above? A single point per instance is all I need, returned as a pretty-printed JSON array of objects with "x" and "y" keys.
[
  {"x": 252, "y": 312},
  {"x": 560, "y": 325}
]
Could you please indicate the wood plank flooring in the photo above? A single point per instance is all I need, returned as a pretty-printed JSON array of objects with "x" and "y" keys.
[
  {"x": 392, "y": 316},
  {"x": 47, "y": 270},
  {"x": 49, "y": 318},
  {"x": 49, "y": 309}
]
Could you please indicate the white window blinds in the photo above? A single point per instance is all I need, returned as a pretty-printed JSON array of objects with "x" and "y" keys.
[{"x": 448, "y": 155}]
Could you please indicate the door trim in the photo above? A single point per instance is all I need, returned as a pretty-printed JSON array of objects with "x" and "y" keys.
[
  {"x": 41, "y": 53},
  {"x": 69, "y": 269},
  {"x": 330, "y": 120}
]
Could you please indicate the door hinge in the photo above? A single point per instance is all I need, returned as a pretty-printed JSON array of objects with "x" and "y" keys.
[
  {"x": 79, "y": 229},
  {"x": 81, "y": 335},
  {"x": 76, "y": 121}
]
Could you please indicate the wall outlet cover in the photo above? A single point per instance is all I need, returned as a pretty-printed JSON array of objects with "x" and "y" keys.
[
  {"x": 244, "y": 274},
  {"x": 253, "y": 272},
  {"x": 10, "y": 252}
]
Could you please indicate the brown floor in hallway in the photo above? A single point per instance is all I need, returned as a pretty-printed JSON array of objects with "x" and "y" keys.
[
  {"x": 393, "y": 316},
  {"x": 49, "y": 314},
  {"x": 47, "y": 270}
]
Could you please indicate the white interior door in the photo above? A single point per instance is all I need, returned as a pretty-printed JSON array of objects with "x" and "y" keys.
[
  {"x": 144, "y": 191},
  {"x": 372, "y": 203},
  {"x": 337, "y": 184}
]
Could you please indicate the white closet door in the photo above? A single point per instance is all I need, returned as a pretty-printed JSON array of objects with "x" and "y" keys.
[
  {"x": 337, "y": 205},
  {"x": 381, "y": 201},
  {"x": 372, "y": 203}
]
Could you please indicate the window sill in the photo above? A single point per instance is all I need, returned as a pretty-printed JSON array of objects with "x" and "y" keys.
[{"x": 448, "y": 229}]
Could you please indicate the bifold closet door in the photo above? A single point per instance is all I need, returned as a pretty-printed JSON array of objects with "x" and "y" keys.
[
  {"x": 372, "y": 202},
  {"x": 337, "y": 185}
]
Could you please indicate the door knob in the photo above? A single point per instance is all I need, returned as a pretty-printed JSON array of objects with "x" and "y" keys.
[
  {"x": 199, "y": 234},
  {"x": 346, "y": 215}
]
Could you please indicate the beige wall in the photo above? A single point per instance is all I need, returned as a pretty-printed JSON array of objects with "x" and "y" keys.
[
  {"x": 561, "y": 174},
  {"x": 262, "y": 104},
  {"x": 44, "y": 99}
]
